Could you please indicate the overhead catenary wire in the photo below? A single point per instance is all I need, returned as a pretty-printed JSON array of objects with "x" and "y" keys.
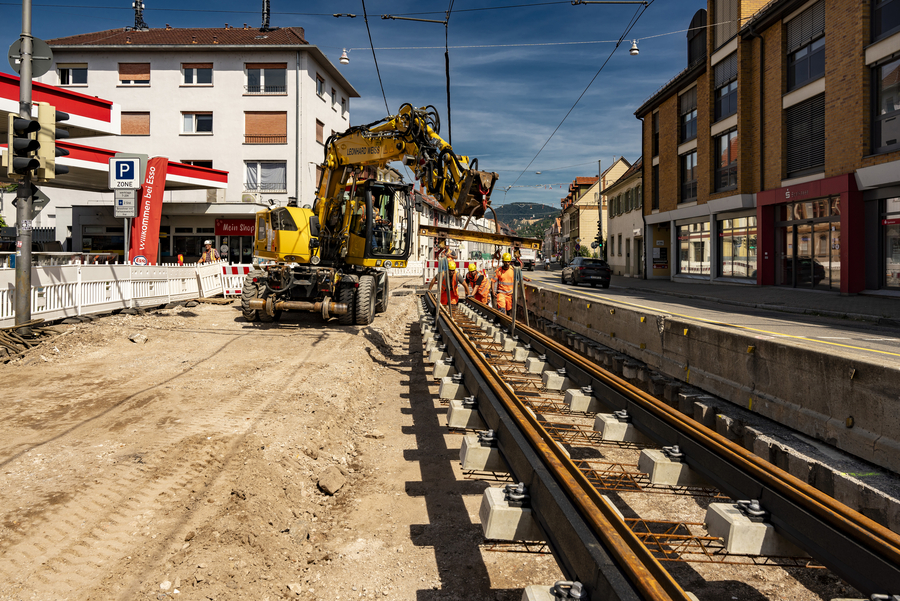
[
  {"x": 634, "y": 19},
  {"x": 374, "y": 58}
]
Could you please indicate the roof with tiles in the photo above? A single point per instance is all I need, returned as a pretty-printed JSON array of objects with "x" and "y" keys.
[{"x": 171, "y": 36}]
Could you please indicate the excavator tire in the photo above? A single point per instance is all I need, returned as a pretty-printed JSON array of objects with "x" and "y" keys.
[
  {"x": 347, "y": 295},
  {"x": 382, "y": 305},
  {"x": 250, "y": 291},
  {"x": 365, "y": 301}
]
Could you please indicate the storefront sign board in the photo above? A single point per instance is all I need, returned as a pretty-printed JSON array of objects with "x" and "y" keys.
[{"x": 235, "y": 227}]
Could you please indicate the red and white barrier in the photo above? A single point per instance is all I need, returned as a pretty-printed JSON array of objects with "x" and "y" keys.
[{"x": 233, "y": 278}]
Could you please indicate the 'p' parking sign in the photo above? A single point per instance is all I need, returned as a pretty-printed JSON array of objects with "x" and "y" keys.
[{"x": 124, "y": 173}]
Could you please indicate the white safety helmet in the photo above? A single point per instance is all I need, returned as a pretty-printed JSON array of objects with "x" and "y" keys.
[{"x": 205, "y": 242}]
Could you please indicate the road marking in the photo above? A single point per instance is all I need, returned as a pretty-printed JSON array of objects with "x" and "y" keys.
[
  {"x": 733, "y": 325},
  {"x": 833, "y": 338}
]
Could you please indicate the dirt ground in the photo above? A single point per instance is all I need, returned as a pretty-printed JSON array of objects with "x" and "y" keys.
[{"x": 192, "y": 465}]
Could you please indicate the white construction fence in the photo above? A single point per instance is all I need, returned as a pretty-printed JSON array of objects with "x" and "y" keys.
[{"x": 59, "y": 291}]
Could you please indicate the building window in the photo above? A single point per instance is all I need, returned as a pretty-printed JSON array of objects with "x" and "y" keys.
[
  {"x": 654, "y": 200},
  {"x": 890, "y": 222},
  {"x": 320, "y": 85},
  {"x": 135, "y": 124},
  {"x": 687, "y": 103},
  {"x": 806, "y": 46},
  {"x": 688, "y": 177},
  {"x": 805, "y": 125},
  {"x": 320, "y": 132},
  {"x": 134, "y": 74},
  {"x": 725, "y": 17},
  {"x": 197, "y": 74},
  {"x": 726, "y": 87},
  {"x": 885, "y": 18},
  {"x": 343, "y": 106},
  {"x": 886, "y": 122},
  {"x": 198, "y": 163},
  {"x": 620, "y": 245},
  {"x": 262, "y": 127},
  {"x": 266, "y": 177},
  {"x": 73, "y": 75},
  {"x": 693, "y": 249},
  {"x": 654, "y": 140},
  {"x": 726, "y": 160},
  {"x": 266, "y": 78},
  {"x": 334, "y": 98},
  {"x": 737, "y": 247},
  {"x": 197, "y": 123}
]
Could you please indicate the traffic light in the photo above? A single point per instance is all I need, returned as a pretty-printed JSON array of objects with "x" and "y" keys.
[
  {"x": 47, "y": 137},
  {"x": 21, "y": 147}
]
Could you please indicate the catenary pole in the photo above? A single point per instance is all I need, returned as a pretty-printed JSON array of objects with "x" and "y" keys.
[{"x": 23, "y": 191}]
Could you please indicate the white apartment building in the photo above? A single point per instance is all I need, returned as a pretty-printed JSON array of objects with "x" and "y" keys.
[
  {"x": 625, "y": 229},
  {"x": 257, "y": 104}
]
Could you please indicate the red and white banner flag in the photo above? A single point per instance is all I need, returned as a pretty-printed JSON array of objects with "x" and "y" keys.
[{"x": 144, "y": 245}]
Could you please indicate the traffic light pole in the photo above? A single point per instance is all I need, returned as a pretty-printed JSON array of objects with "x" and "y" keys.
[{"x": 23, "y": 192}]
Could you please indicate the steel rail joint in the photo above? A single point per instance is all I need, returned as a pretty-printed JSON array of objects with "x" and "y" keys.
[
  {"x": 861, "y": 551},
  {"x": 613, "y": 563}
]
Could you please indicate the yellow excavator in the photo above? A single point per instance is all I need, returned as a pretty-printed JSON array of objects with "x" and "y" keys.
[{"x": 334, "y": 258}]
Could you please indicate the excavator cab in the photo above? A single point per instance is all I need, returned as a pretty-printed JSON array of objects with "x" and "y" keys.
[{"x": 380, "y": 224}]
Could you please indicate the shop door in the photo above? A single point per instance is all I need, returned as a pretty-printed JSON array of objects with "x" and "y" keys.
[
  {"x": 785, "y": 245},
  {"x": 627, "y": 256},
  {"x": 804, "y": 259}
]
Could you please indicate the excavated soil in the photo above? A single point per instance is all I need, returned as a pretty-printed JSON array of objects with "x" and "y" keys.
[{"x": 221, "y": 459}]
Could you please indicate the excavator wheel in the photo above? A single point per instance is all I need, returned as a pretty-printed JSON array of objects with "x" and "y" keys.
[
  {"x": 347, "y": 296},
  {"x": 250, "y": 291},
  {"x": 365, "y": 301},
  {"x": 382, "y": 305}
]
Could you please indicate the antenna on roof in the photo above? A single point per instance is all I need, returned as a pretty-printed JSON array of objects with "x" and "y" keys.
[
  {"x": 139, "y": 24},
  {"x": 266, "y": 11}
]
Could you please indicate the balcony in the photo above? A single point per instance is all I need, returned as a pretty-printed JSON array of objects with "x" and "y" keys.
[
  {"x": 265, "y": 138},
  {"x": 265, "y": 90}
]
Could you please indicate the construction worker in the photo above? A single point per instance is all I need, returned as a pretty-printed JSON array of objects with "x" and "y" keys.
[
  {"x": 209, "y": 254},
  {"x": 505, "y": 278},
  {"x": 454, "y": 283},
  {"x": 479, "y": 284}
]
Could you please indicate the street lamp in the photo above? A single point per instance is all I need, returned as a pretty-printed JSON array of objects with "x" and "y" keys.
[
  {"x": 446, "y": 61},
  {"x": 344, "y": 60}
]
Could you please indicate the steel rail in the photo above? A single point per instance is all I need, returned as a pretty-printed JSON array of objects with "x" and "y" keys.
[
  {"x": 858, "y": 549},
  {"x": 650, "y": 580}
]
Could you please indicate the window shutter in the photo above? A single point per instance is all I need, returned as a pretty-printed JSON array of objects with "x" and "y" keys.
[
  {"x": 320, "y": 131},
  {"x": 805, "y": 124},
  {"x": 688, "y": 101},
  {"x": 196, "y": 65},
  {"x": 134, "y": 71},
  {"x": 135, "y": 124},
  {"x": 807, "y": 25},
  {"x": 726, "y": 20},
  {"x": 265, "y": 65},
  {"x": 726, "y": 70},
  {"x": 265, "y": 123}
]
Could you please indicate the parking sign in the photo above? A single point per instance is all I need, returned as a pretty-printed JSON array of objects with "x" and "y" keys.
[{"x": 124, "y": 173}]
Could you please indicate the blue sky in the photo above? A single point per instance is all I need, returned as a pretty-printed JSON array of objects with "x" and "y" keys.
[{"x": 516, "y": 68}]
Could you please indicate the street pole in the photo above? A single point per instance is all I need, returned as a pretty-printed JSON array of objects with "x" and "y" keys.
[
  {"x": 23, "y": 191},
  {"x": 600, "y": 207}
]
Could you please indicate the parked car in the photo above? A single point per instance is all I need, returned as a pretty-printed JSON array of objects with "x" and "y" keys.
[{"x": 583, "y": 270}]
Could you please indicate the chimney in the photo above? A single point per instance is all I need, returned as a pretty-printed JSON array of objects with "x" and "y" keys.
[
  {"x": 168, "y": 27},
  {"x": 128, "y": 39},
  {"x": 226, "y": 25},
  {"x": 215, "y": 39},
  {"x": 245, "y": 26},
  {"x": 193, "y": 39}
]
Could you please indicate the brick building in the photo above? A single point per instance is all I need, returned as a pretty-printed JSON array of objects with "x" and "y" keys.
[{"x": 775, "y": 155}]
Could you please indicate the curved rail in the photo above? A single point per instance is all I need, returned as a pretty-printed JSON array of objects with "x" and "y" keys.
[{"x": 863, "y": 552}]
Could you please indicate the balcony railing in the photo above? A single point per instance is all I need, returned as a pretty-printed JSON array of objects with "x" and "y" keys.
[
  {"x": 265, "y": 139},
  {"x": 273, "y": 188},
  {"x": 265, "y": 90}
]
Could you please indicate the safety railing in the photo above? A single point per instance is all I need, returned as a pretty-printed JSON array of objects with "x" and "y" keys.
[{"x": 60, "y": 291}]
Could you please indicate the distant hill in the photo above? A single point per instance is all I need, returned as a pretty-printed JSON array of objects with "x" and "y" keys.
[
  {"x": 535, "y": 229},
  {"x": 522, "y": 211}
]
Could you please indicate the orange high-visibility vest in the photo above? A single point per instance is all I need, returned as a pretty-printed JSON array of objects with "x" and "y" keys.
[
  {"x": 505, "y": 279},
  {"x": 454, "y": 293},
  {"x": 481, "y": 291}
]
